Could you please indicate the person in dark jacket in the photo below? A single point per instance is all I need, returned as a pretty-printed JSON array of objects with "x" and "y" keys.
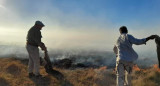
[{"x": 33, "y": 42}]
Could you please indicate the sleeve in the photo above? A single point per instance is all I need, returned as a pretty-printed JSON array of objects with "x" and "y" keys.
[
  {"x": 136, "y": 41},
  {"x": 38, "y": 37}
]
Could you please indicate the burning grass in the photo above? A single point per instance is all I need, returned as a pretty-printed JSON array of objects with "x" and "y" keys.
[
  {"x": 147, "y": 77},
  {"x": 14, "y": 73}
]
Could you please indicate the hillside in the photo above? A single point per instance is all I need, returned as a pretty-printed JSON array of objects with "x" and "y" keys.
[{"x": 13, "y": 72}]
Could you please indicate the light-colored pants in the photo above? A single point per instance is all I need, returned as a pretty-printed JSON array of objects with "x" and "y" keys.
[
  {"x": 123, "y": 70},
  {"x": 34, "y": 60}
]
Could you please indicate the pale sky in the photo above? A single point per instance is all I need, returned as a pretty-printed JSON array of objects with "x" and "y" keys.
[{"x": 80, "y": 24}]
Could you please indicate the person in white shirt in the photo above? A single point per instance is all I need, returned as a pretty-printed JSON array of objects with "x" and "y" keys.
[{"x": 126, "y": 55}]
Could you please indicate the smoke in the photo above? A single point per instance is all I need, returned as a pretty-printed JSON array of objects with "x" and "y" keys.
[
  {"x": 77, "y": 56},
  {"x": 13, "y": 51},
  {"x": 67, "y": 34},
  {"x": 75, "y": 29},
  {"x": 62, "y": 30}
]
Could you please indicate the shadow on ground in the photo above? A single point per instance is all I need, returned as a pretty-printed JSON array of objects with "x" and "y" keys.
[
  {"x": 59, "y": 76},
  {"x": 46, "y": 81},
  {"x": 4, "y": 82}
]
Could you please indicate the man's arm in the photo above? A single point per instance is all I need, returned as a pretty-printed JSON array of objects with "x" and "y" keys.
[
  {"x": 38, "y": 37},
  {"x": 136, "y": 41},
  {"x": 140, "y": 41}
]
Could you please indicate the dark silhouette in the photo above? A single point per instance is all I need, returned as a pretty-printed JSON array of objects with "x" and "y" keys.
[
  {"x": 45, "y": 81},
  {"x": 49, "y": 69},
  {"x": 33, "y": 42},
  {"x": 157, "y": 40}
]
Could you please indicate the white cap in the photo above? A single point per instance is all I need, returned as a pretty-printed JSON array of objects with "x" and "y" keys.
[{"x": 39, "y": 23}]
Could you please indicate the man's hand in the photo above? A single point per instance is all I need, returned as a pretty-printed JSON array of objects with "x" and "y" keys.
[
  {"x": 151, "y": 37},
  {"x": 43, "y": 47}
]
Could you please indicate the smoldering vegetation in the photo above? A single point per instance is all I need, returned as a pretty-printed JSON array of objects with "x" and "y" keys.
[
  {"x": 13, "y": 72},
  {"x": 85, "y": 58},
  {"x": 75, "y": 57},
  {"x": 80, "y": 68}
]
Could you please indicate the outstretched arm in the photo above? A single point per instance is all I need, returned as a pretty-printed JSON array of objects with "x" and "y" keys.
[
  {"x": 136, "y": 41},
  {"x": 140, "y": 41}
]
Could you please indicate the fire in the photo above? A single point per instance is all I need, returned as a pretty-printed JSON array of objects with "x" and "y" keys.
[
  {"x": 136, "y": 68},
  {"x": 155, "y": 66},
  {"x": 102, "y": 68}
]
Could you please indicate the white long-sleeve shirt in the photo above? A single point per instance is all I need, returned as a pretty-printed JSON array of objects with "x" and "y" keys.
[{"x": 123, "y": 47}]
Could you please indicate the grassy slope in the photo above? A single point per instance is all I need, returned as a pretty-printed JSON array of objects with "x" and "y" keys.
[
  {"x": 148, "y": 77},
  {"x": 13, "y": 72}
]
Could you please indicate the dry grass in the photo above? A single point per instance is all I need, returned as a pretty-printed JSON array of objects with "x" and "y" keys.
[
  {"x": 147, "y": 77},
  {"x": 14, "y": 73}
]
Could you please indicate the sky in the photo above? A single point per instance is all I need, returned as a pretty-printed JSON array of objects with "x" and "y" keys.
[{"x": 79, "y": 24}]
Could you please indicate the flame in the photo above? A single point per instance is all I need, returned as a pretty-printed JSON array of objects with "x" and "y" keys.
[
  {"x": 136, "y": 68},
  {"x": 102, "y": 68},
  {"x": 155, "y": 66}
]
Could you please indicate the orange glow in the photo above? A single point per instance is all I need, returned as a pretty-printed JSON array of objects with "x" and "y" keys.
[
  {"x": 102, "y": 68},
  {"x": 155, "y": 66},
  {"x": 136, "y": 68}
]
